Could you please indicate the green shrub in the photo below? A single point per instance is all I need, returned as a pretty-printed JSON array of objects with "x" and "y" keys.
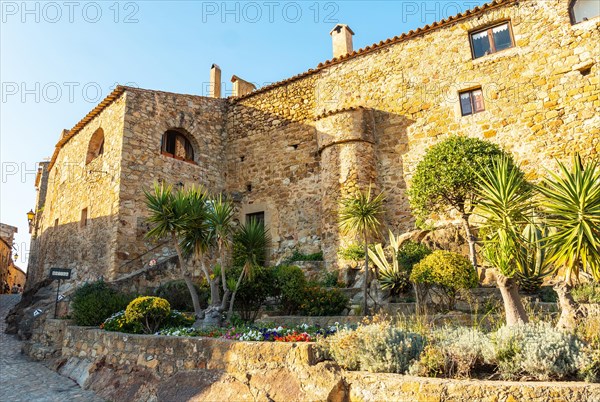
[
  {"x": 178, "y": 295},
  {"x": 254, "y": 291},
  {"x": 547, "y": 294},
  {"x": 410, "y": 253},
  {"x": 330, "y": 279},
  {"x": 95, "y": 302},
  {"x": 290, "y": 284},
  {"x": 178, "y": 319},
  {"x": 151, "y": 312},
  {"x": 448, "y": 271},
  {"x": 319, "y": 301},
  {"x": 586, "y": 293},
  {"x": 535, "y": 351},
  {"x": 299, "y": 256},
  {"x": 354, "y": 252},
  {"x": 378, "y": 347}
]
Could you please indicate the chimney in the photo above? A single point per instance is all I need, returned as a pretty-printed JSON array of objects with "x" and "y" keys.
[
  {"x": 341, "y": 37},
  {"x": 241, "y": 87},
  {"x": 215, "y": 82}
]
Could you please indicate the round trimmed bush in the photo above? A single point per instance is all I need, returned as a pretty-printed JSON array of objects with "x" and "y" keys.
[{"x": 149, "y": 311}]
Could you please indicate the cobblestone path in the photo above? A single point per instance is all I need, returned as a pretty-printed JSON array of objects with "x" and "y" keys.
[{"x": 22, "y": 379}]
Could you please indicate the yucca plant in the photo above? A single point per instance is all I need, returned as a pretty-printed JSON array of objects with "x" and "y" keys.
[
  {"x": 532, "y": 257},
  {"x": 359, "y": 214},
  {"x": 504, "y": 205},
  {"x": 391, "y": 276},
  {"x": 170, "y": 214},
  {"x": 571, "y": 199},
  {"x": 220, "y": 214},
  {"x": 252, "y": 242}
]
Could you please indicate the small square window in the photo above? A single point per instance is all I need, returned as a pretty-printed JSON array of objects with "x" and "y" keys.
[
  {"x": 257, "y": 216},
  {"x": 84, "y": 215},
  {"x": 471, "y": 102},
  {"x": 491, "y": 40},
  {"x": 56, "y": 223}
]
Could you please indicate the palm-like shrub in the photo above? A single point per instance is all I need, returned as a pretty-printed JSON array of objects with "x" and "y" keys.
[
  {"x": 532, "y": 258},
  {"x": 251, "y": 244},
  {"x": 504, "y": 205},
  {"x": 572, "y": 201},
  {"x": 359, "y": 214}
]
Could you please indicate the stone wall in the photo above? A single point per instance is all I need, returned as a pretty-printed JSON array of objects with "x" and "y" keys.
[
  {"x": 158, "y": 368},
  {"x": 63, "y": 239},
  {"x": 149, "y": 114}
]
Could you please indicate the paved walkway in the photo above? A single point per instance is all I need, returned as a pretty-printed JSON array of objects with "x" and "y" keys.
[{"x": 24, "y": 380}]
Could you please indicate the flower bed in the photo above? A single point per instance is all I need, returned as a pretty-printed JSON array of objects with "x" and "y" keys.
[{"x": 299, "y": 333}]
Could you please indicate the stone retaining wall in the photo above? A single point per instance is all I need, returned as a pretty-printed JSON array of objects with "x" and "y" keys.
[{"x": 159, "y": 368}]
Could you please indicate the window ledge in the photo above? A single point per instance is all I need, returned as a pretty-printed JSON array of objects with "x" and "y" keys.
[
  {"x": 169, "y": 155},
  {"x": 587, "y": 25},
  {"x": 492, "y": 58}
]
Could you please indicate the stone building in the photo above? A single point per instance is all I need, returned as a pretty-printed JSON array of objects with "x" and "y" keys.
[
  {"x": 523, "y": 74},
  {"x": 9, "y": 272}
]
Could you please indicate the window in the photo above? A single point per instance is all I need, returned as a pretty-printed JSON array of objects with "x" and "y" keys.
[
  {"x": 176, "y": 145},
  {"x": 491, "y": 40},
  {"x": 471, "y": 102},
  {"x": 96, "y": 146},
  {"x": 583, "y": 10},
  {"x": 56, "y": 223},
  {"x": 257, "y": 216},
  {"x": 84, "y": 215}
]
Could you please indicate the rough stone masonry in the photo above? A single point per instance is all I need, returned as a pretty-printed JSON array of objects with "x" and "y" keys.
[{"x": 292, "y": 149}]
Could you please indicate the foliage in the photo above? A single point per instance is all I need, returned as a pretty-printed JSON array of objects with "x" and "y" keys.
[
  {"x": 253, "y": 291},
  {"x": 391, "y": 277},
  {"x": 290, "y": 284},
  {"x": 535, "y": 351},
  {"x": 250, "y": 244},
  {"x": 354, "y": 252},
  {"x": 410, "y": 253},
  {"x": 547, "y": 294},
  {"x": 118, "y": 323},
  {"x": 151, "y": 312},
  {"x": 446, "y": 177},
  {"x": 532, "y": 258},
  {"x": 447, "y": 270},
  {"x": 96, "y": 301},
  {"x": 586, "y": 293},
  {"x": 319, "y": 301},
  {"x": 572, "y": 201},
  {"x": 178, "y": 295},
  {"x": 299, "y": 256},
  {"x": 376, "y": 347},
  {"x": 330, "y": 279},
  {"x": 452, "y": 352}
]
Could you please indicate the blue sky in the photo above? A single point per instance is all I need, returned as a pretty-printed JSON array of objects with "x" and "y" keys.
[{"x": 59, "y": 59}]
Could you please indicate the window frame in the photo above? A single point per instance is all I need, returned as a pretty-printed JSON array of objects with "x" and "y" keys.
[
  {"x": 572, "y": 18},
  {"x": 257, "y": 215},
  {"x": 187, "y": 142},
  {"x": 492, "y": 42},
  {"x": 470, "y": 92}
]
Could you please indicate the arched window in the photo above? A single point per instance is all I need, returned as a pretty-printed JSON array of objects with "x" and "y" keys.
[
  {"x": 176, "y": 145},
  {"x": 96, "y": 146},
  {"x": 583, "y": 10}
]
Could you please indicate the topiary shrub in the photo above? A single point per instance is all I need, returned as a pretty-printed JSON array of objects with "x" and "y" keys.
[
  {"x": 178, "y": 295},
  {"x": 95, "y": 302},
  {"x": 410, "y": 253},
  {"x": 447, "y": 272},
  {"x": 151, "y": 312},
  {"x": 377, "y": 348},
  {"x": 319, "y": 301},
  {"x": 535, "y": 351},
  {"x": 291, "y": 284}
]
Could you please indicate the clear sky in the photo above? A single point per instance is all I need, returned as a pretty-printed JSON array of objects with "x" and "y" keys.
[{"x": 59, "y": 59}]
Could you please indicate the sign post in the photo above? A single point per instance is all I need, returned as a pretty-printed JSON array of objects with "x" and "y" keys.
[{"x": 60, "y": 274}]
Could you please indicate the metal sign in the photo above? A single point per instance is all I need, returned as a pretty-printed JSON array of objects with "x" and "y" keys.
[
  {"x": 60, "y": 297},
  {"x": 60, "y": 273},
  {"x": 37, "y": 312}
]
